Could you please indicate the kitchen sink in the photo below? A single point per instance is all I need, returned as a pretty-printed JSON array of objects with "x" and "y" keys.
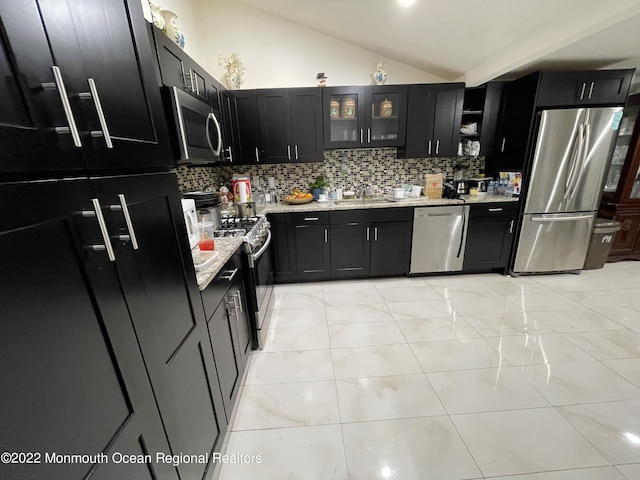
[{"x": 362, "y": 200}]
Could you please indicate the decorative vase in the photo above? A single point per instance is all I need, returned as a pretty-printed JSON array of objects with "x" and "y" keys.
[
  {"x": 379, "y": 76},
  {"x": 173, "y": 32},
  {"x": 316, "y": 192},
  {"x": 234, "y": 80},
  {"x": 158, "y": 19}
]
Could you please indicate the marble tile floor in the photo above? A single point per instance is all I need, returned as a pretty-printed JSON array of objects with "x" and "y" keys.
[{"x": 447, "y": 378}]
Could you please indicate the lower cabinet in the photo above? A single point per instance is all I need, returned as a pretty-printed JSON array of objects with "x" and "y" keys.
[
  {"x": 105, "y": 350},
  {"x": 341, "y": 244},
  {"x": 228, "y": 326},
  {"x": 489, "y": 236}
]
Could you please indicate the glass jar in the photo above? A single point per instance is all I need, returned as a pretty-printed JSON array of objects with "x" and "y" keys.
[
  {"x": 334, "y": 108},
  {"x": 386, "y": 108},
  {"x": 348, "y": 108}
]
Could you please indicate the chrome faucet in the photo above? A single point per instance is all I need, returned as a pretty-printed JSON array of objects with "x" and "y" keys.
[{"x": 361, "y": 190}]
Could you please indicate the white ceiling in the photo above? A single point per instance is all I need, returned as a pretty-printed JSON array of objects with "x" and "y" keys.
[{"x": 476, "y": 41}]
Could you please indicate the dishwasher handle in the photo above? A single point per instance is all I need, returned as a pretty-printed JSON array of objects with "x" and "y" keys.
[{"x": 462, "y": 232}]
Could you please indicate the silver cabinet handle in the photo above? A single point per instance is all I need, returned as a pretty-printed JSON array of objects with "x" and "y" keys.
[
  {"x": 437, "y": 147},
  {"x": 103, "y": 229},
  {"x": 326, "y": 236},
  {"x": 591, "y": 90},
  {"x": 228, "y": 149},
  {"x": 64, "y": 98},
  {"x": 127, "y": 219},
  {"x": 239, "y": 294},
  {"x": 368, "y": 135},
  {"x": 257, "y": 155},
  {"x": 310, "y": 219},
  {"x": 429, "y": 147},
  {"x": 511, "y": 227},
  {"x": 375, "y": 234},
  {"x": 194, "y": 82},
  {"x": 296, "y": 148},
  {"x": 289, "y": 152},
  {"x": 504, "y": 141},
  {"x": 584, "y": 85},
  {"x": 367, "y": 234},
  {"x": 101, "y": 117},
  {"x": 495, "y": 209},
  {"x": 229, "y": 276},
  {"x": 361, "y": 135}
]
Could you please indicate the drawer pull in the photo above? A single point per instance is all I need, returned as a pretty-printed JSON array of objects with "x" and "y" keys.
[
  {"x": 495, "y": 209},
  {"x": 230, "y": 274},
  {"x": 311, "y": 219}
]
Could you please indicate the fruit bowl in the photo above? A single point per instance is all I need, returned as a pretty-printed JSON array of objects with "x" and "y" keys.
[{"x": 297, "y": 201}]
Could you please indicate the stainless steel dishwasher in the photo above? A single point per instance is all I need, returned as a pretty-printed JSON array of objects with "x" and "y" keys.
[{"x": 439, "y": 238}]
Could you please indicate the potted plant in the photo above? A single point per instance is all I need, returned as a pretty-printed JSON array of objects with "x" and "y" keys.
[
  {"x": 317, "y": 186},
  {"x": 234, "y": 67}
]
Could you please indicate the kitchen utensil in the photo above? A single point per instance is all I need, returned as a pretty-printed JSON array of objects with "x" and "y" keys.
[{"x": 245, "y": 209}]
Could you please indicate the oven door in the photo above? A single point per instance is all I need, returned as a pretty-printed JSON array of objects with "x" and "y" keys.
[
  {"x": 198, "y": 128},
  {"x": 262, "y": 276}
]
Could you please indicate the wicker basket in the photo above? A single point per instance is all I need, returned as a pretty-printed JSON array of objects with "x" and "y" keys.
[{"x": 434, "y": 192}]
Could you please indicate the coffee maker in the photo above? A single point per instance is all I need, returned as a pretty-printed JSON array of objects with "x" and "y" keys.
[{"x": 460, "y": 180}]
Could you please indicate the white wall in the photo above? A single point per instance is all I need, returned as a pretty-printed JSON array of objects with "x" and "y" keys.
[
  {"x": 187, "y": 22},
  {"x": 278, "y": 53}
]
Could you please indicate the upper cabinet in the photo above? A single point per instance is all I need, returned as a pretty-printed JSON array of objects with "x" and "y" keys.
[
  {"x": 357, "y": 117},
  {"x": 598, "y": 87},
  {"x": 433, "y": 120},
  {"x": 64, "y": 107}
]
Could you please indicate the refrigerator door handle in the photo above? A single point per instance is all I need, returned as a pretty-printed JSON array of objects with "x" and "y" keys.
[
  {"x": 557, "y": 218},
  {"x": 583, "y": 161},
  {"x": 577, "y": 158}
]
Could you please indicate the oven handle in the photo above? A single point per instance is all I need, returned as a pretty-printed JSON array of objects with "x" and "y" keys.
[{"x": 264, "y": 247}]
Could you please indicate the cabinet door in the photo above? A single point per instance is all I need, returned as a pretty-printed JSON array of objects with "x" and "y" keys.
[
  {"x": 420, "y": 118},
  {"x": 448, "y": 115},
  {"x": 172, "y": 61},
  {"x": 386, "y": 110},
  {"x": 350, "y": 250},
  {"x": 226, "y": 350},
  {"x": 275, "y": 125},
  {"x": 29, "y": 114},
  {"x": 344, "y": 117},
  {"x": 229, "y": 119},
  {"x": 489, "y": 242},
  {"x": 284, "y": 247},
  {"x": 238, "y": 296},
  {"x": 584, "y": 88},
  {"x": 493, "y": 112},
  {"x": 312, "y": 251},
  {"x": 390, "y": 248},
  {"x": 158, "y": 283},
  {"x": 306, "y": 124},
  {"x": 107, "y": 44},
  {"x": 73, "y": 377},
  {"x": 247, "y": 127}
]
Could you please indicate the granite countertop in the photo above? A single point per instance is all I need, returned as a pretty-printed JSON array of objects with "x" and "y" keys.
[
  {"x": 282, "y": 207},
  {"x": 225, "y": 247}
]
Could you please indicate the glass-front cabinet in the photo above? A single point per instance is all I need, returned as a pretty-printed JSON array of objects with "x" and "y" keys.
[
  {"x": 621, "y": 196},
  {"x": 361, "y": 117}
]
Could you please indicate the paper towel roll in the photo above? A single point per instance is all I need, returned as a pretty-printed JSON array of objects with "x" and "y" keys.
[{"x": 242, "y": 191}]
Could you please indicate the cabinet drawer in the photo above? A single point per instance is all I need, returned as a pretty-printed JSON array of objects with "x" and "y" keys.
[
  {"x": 217, "y": 289},
  {"x": 311, "y": 218},
  {"x": 393, "y": 214},
  {"x": 502, "y": 209}
]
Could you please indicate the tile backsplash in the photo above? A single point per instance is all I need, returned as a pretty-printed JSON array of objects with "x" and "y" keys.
[{"x": 342, "y": 169}]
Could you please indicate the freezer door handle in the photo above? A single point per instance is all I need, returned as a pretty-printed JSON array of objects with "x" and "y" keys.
[
  {"x": 577, "y": 158},
  {"x": 556, "y": 218},
  {"x": 583, "y": 161}
]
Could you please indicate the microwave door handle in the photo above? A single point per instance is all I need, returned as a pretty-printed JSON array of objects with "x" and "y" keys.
[{"x": 215, "y": 151}]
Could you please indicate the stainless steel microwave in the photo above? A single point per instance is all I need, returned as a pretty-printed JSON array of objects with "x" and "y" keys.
[{"x": 198, "y": 128}]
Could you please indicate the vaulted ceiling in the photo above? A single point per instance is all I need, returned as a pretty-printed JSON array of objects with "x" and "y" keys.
[{"x": 476, "y": 41}]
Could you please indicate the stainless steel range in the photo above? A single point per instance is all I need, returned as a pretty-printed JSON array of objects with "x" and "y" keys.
[{"x": 256, "y": 234}]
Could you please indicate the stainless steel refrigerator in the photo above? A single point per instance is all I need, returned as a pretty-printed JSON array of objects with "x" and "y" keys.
[{"x": 571, "y": 155}]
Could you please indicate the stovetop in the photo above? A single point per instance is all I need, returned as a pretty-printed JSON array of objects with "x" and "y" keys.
[{"x": 252, "y": 229}]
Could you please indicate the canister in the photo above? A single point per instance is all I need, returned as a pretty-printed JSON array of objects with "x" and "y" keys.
[
  {"x": 348, "y": 108},
  {"x": 334, "y": 108},
  {"x": 386, "y": 108},
  {"x": 241, "y": 189}
]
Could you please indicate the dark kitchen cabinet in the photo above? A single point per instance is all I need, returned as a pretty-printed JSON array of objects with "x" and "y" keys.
[
  {"x": 313, "y": 254},
  {"x": 157, "y": 282},
  {"x": 489, "y": 236},
  {"x": 247, "y": 127},
  {"x": 433, "y": 120},
  {"x": 350, "y": 250},
  {"x": 357, "y": 117},
  {"x": 284, "y": 247},
  {"x": 596, "y": 87},
  {"x": 621, "y": 196},
  {"x": 84, "y": 361},
  {"x": 228, "y": 325},
  {"x": 290, "y": 124},
  {"x": 70, "y": 107},
  {"x": 391, "y": 248},
  {"x": 229, "y": 119},
  {"x": 178, "y": 69}
]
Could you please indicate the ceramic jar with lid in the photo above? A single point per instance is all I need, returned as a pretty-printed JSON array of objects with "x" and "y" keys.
[
  {"x": 334, "y": 108},
  {"x": 348, "y": 108},
  {"x": 386, "y": 108}
]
